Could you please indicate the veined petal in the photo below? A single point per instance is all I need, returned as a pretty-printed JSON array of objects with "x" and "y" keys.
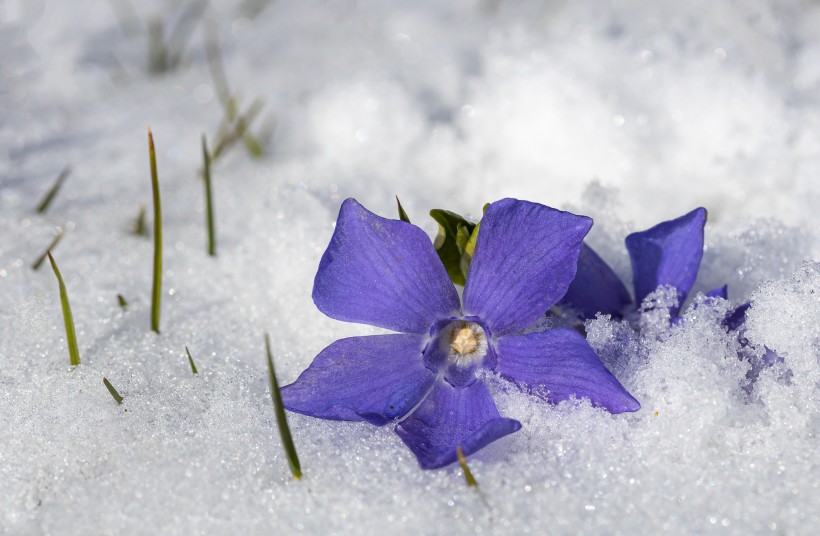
[
  {"x": 525, "y": 258},
  {"x": 376, "y": 379},
  {"x": 383, "y": 273},
  {"x": 452, "y": 417},
  {"x": 667, "y": 254},
  {"x": 562, "y": 363},
  {"x": 596, "y": 288}
]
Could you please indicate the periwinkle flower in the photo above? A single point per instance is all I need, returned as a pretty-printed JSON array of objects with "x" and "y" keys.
[
  {"x": 668, "y": 254},
  {"x": 429, "y": 379}
]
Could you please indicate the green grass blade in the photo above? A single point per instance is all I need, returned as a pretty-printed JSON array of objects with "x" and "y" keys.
[
  {"x": 281, "y": 418},
  {"x": 209, "y": 204},
  {"x": 113, "y": 391},
  {"x": 468, "y": 475},
  {"x": 253, "y": 145},
  {"x": 140, "y": 229},
  {"x": 68, "y": 319},
  {"x": 41, "y": 259},
  {"x": 183, "y": 30},
  {"x": 122, "y": 303},
  {"x": 218, "y": 76},
  {"x": 402, "y": 214},
  {"x": 156, "y": 290},
  {"x": 52, "y": 192},
  {"x": 157, "y": 48},
  {"x": 191, "y": 360}
]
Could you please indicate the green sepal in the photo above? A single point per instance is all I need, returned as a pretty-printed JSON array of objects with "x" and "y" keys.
[{"x": 402, "y": 214}]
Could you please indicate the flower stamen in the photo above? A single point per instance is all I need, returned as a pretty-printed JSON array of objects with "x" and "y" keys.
[{"x": 464, "y": 340}]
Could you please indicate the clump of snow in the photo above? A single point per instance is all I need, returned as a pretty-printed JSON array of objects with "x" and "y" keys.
[{"x": 632, "y": 114}]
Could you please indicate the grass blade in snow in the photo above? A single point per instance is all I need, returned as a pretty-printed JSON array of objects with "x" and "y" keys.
[
  {"x": 209, "y": 206},
  {"x": 139, "y": 224},
  {"x": 156, "y": 290},
  {"x": 468, "y": 475},
  {"x": 70, "y": 334},
  {"x": 281, "y": 418},
  {"x": 41, "y": 259},
  {"x": 191, "y": 360},
  {"x": 113, "y": 391},
  {"x": 52, "y": 193},
  {"x": 122, "y": 303}
]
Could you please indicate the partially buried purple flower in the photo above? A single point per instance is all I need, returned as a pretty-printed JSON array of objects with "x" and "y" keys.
[
  {"x": 386, "y": 273},
  {"x": 667, "y": 254}
]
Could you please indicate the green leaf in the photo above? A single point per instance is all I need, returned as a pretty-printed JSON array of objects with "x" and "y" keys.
[
  {"x": 469, "y": 246},
  {"x": 68, "y": 319},
  {"x": 462, "y": 236},
  {"x": 402, "y": 214},
  {"x": 468, "y": 475},
  {"x": 191, "y": 360},
  {"x": 121, "y": 301},
  {"x": 281, "y": 418},
  {"x": 156, "y": 289},
  {"x": 113, "y": 391},
  {"x": 447, "y": 241}
]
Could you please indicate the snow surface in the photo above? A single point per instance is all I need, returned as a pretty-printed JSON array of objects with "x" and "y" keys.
[{"x": 630, "y": 112}]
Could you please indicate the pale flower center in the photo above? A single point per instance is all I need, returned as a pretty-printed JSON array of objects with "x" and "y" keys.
[{"x": 464, "y": 343}]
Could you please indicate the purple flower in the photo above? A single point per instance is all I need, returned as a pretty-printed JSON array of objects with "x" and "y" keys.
[
  {"x": 667, "y": 254},
  {"x": 431, "y": 375}
]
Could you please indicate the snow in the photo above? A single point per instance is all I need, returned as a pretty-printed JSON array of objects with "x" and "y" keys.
[{"x": 629, "y": 112}]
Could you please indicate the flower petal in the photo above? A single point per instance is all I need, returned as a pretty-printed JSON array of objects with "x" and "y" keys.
[
  {"x": 720, "y": 292},
  {"x": 524, "y": 261},
  {"x": 667, "y": 254},
  {"x": 561, "y": 362},
  {"x": 737, "y": 317},
  {"x": 376, "y": 379},
  {"x": 383, "y": 273},
  {"x": 453, "y": 416},
  {"x": 596, "y": 288}
]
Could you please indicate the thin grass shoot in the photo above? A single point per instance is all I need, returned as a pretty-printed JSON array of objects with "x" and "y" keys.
[
  {"x": 140, "y": 228},
  {"x": 281, "y": 418},
  {"x": 112, "y": 390},
  {"x": 191, "y": 361},
  {"x": 42, "y": 258},
  {"x": 156, "y": 289},
  {"x": 468, "y": 475},
  {"x": 42, "y": 207},
  {"x": 209, "y": 205},
  {"x": 68, "y": 318}
]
